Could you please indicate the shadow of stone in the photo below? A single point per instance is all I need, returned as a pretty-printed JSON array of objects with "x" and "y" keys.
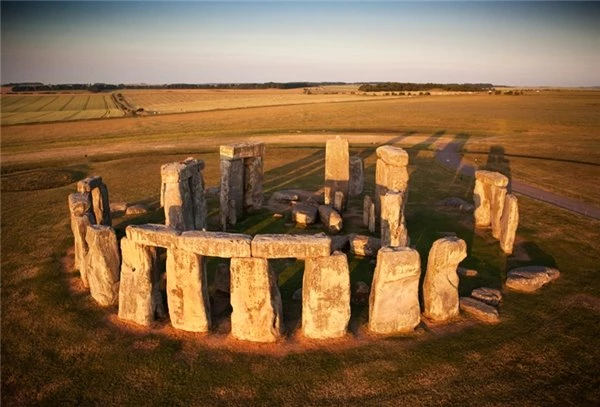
[{"x": 497, "y": 161}]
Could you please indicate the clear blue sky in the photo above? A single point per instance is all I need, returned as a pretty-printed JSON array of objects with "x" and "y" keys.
[{"x": 512, "y": 43}]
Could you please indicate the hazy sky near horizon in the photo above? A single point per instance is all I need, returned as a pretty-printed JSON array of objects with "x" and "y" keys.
[{"x": 511, "y": 43}]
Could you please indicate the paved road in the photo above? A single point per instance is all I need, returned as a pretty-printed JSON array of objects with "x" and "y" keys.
[{"x": 450, "y": 157}]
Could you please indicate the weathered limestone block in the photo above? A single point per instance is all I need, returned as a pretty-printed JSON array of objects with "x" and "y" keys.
[
  {"x": 100, "y": 204},
  {"x": 337, "y": 169},
  {"x": 464, "y": 272},
  {"x": 440, "y": 288},
  {"x": 394, "y": 301},
  {"x": 479, "y": 310},
  {"x": 256, "y": 301},
  {"x": 153, "y": 235},
  {"x": 530, "y": 278},
  {"x": 222, "y": 281},
  {"x": 357, "y": 176},
  {"x": 393, "y": 226},
  {"x": 102, "y": 264},
  {"x": 216, "y": 244},
  {"x": 326, "y": 297},
  {"x": 80, "y": 203},
  {"x": 253, "y": 183},
  {"x": 241, "y": 150},
  {"x": 136, "y": 209},
  {"x": 487, "y": 295},
  {"x": 391, "y": 172},
  {"x": 488, "y": 197},
  {"x": 304, "y": 214},
  {"x": 182, "y": 194},
  {"x": 79, "y": 225},
  {"x": 330, "y": 218},
  {"x": 509, "y": 223},
  {"x": 187, "y": 291},
  {"x": 232, "y": 188},
  {"x": 291, "y": 246},
  {"x": 136, "y": 302},
  {"x": 339, "y": 201},
  {"x": 362, "y": 245}
]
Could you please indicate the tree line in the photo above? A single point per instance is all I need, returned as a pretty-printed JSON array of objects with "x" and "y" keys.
[{"x": 412, "y": 87}]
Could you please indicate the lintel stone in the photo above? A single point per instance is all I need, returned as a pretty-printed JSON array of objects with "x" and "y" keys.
[
  {"x": 291, "y": 246},
  {"x": 153, "y": 235},
  {"x": 216, "y": 244},
  {"x": 241, "y": 150}
]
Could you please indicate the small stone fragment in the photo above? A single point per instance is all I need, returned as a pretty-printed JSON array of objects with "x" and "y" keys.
[
  {"x": 463, "y": 272},
  {"x": 490, "y": 296},
  {"x": 479, "y": 310},
  {"x": 285, "y": 196},
  {"x": 530, "y": 278},
  {"x": 330, "y": 218}
]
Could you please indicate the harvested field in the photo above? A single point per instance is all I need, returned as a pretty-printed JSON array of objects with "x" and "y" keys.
[{"x": 41, "y": 108}]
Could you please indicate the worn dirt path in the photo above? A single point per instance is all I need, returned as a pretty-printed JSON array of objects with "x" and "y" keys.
[{"x": 450, "y": 157}]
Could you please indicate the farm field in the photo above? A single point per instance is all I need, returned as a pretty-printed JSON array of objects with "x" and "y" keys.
[
  {"x": 59, "y": 347},
  {"x": 36, "y": 108},
  {"x": 181, "y": 101}
]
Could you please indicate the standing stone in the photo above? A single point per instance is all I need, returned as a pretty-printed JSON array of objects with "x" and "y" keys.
[
  {"x": 330, "y": 218},
  {"x": 479, "y": 310},
  {"x": 393, "y": 227},
  {"x": 100, "y": 204},
  {"x": 136, "y": 301},
  {"x": 488, "y": 196},
  {"x": 394, "y": 299},
  {"x": 440, "y": 288},
  {"x": 81, "y": 217},
  {"x": 256, "y": 301},
  {"x": 366, "y": 206},
  {"x": 102, "y": 264},
  {"x": 337, "y": 170},
  {"x": 357, "y": 177},
  {"x": 222, "y": 281},
  {"x": 339, "y": 201},
  {"x": 187, "y": 291},
  {"x": 232, "y": 188},
  {"x": 391, "y": 173},
  {"x": 509, "y": 223},
  {"x": 326, "y": 297},
  {"x": 182, "y": 194},
  {"x": 253, "y": 183}
]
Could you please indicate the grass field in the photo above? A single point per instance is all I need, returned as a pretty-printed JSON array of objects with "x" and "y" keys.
[
  {"x": 36, "y": 108},
  {"x": 58, "y": 347}
]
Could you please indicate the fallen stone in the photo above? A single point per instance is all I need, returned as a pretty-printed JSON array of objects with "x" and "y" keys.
[
  {"x": 290, "y": 246},
  {"x": 285, "y": 196},
  {"x": 440, "y": 287},
  {"x": 187, "y": 291},
  {"x": 102, "y": 264},
  {"x": 509, "y": 223},
  {"x": 256, "y": 301},
  {"x": 458, "y": 203},
  {"x": 479, "y": 310},
  {"x": 394, "y": 300},
  {"x": 360, "y": 293},
  {"x": 222, "y": 281},
  {"x": 326, "y": 297},
  {"x": 490, "y": 296},
  {"x": 463, "y": 272},
  {"x": 304, "y": 214},
  {"x": 137, "y": 209},
  {"x": 118, "y": 206},
  {"x": 530, "y": 278},
  {"x": 362, "y": 245},
  {"x": 330, "y": 218},
  {"x": 357, "y": 177},
  {"x": 340, "y": 243},
  {"x": 216, "y": 244},
  {"x": 153, "y": 235}
]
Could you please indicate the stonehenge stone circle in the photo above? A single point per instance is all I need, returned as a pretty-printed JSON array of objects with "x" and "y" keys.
[
  {"x": 440, "y": 287},
  {"x": 256, "y": 302},
  {"x": 326, "y": 297},
  {"x": 394, "y": 300},
  {"x": 337, "y": 172},
  {"x": 182, "y": 194}
]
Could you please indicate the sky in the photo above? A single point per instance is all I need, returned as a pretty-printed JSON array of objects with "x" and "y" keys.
[{"x": 504, "y": 43}]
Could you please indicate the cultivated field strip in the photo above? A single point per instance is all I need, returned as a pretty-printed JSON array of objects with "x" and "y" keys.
[{"x": 22, "y": 109}]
